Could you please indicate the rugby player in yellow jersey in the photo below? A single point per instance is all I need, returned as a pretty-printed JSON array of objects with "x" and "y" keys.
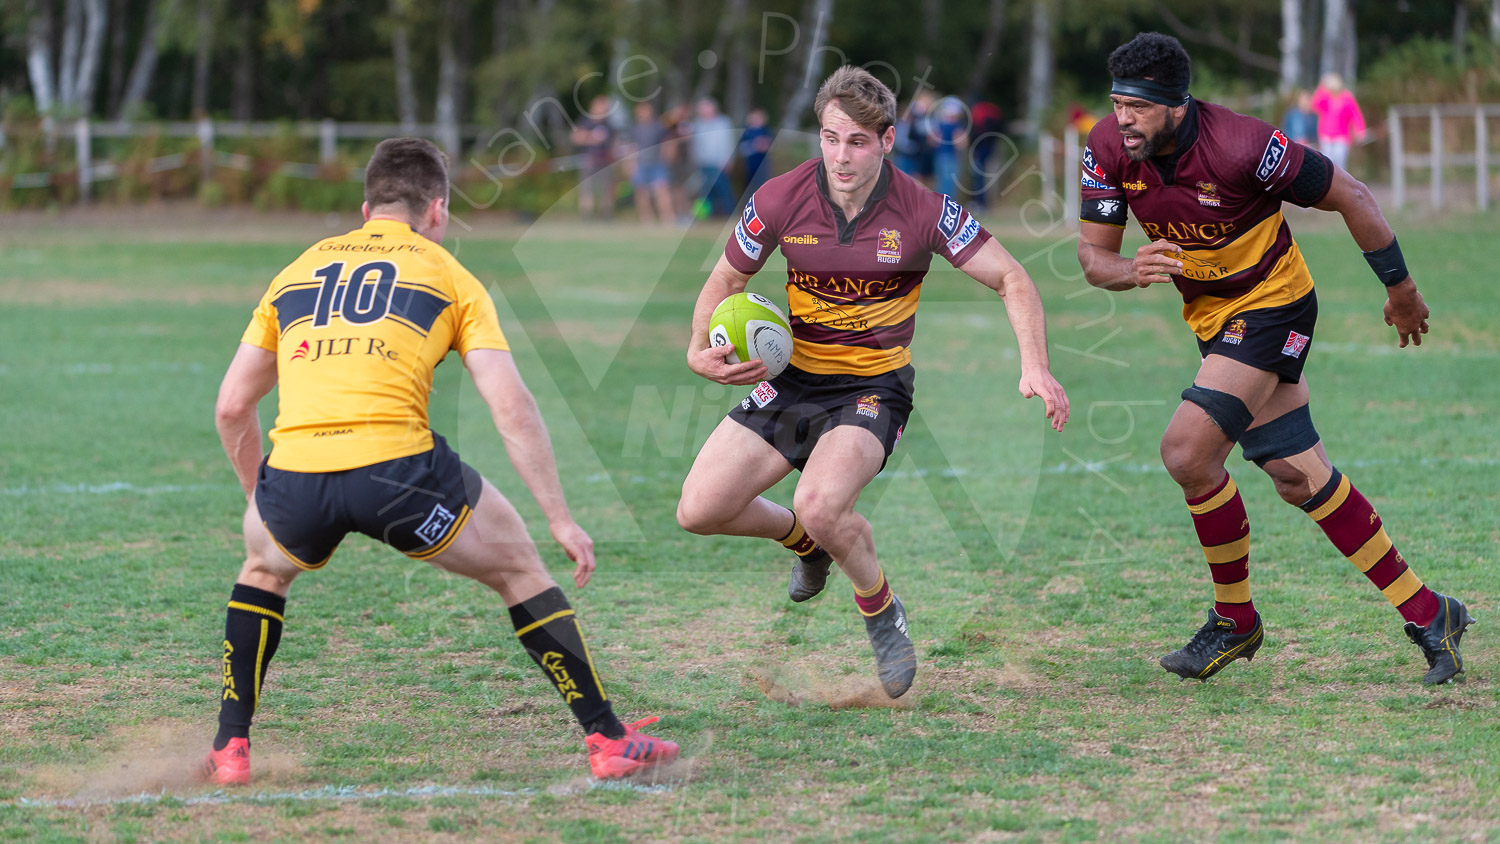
[
  {"x": 858, "y": 236},
  {"x": 351, "y": 331},
  {"x": 1207, "y": 186}
]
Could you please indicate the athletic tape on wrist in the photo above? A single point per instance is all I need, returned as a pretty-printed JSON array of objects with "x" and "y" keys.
[{"x": 1388, "y": 264}]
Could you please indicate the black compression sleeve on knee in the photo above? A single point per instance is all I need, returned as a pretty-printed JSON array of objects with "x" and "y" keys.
[
  {"x": 1227, "y": 411},
  {"x": 1288, "y": 434}
]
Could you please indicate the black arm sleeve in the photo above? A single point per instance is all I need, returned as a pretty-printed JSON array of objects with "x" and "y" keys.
[{"x": 1313, "y": 181}]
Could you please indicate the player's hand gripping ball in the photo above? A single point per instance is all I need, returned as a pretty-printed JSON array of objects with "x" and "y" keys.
[{"x": 756, "y": 328}]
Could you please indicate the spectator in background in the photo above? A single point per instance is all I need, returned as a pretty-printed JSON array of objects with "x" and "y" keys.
[
  {"x": 1340, "y": 122},
  {"x": 1300, "y": 122},
  {"x": 950, "y": 136},
  {"x": 712, "y": 146},
  {"x": 754, "y": 144},
  {"x": 989, "y": 125},
  {"x": 652, "y": 180},
  {"x": 913, "y": 139},
  {"x": 677, "y": 121},
  {"x": 594, "y": 139}
]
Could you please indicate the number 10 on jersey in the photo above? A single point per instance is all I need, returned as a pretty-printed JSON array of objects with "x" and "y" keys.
[{"x": 372, "y": 284}]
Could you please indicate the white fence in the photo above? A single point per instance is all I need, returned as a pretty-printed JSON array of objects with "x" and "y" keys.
[{"x": 1437, "y": 159}]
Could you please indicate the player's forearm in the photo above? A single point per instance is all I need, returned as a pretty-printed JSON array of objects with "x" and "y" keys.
[
  {"x": 718, "y": 287},
  {"x": 1023, "y": 306},
  {"x": 1105, "y": 269},
  {"x": 239, "y": 431},
  {"x": 530, "y": 451},
  {"x": 1362, "y": 215}
]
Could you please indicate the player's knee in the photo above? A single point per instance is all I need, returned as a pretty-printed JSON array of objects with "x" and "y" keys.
[
  {"x": 694, "y": 516},
  {"x": 819, "y": 515},
  {"x": 1292, "y": 484},
  {"x": 1185, "y": 462}
]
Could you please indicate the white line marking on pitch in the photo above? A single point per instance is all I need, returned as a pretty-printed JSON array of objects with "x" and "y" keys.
[{"x": 330, "y": 792}]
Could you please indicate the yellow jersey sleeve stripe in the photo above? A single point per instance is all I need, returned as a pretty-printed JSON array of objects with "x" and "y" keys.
[
  {"x": 1334, "y": 502},
  {"x": 544, "y": 622},
  {"x": 238, "y": 605},
  {"x": 1228, "y": 552},
  {"x": 1401, "y": 590},
  {"x": 1370, "y": 553},
  {"x": 1217, "y": 501},
  {"x": 1233, "y": 593}
]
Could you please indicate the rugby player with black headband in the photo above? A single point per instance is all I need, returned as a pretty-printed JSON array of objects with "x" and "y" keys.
[{"x": 1207, "y": 185}]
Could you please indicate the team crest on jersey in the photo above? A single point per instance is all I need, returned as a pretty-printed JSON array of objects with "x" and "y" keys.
[
  {"x": 868, "y": 406},
  {"x": 888, "y": 247},
  {"x": 1295, "y": 343},
  {"x": 751, "y": 220},
  {"x": 747, "y": 245},
  {"x": 302, "y": 350},
  {"x": 1091, "y": 165},
  {"x": 1271, "y": 158},
  {"x": 1234, "y": 333},
  {"x": 1208, "y": 194},
  {"x": 948, "y": 222}
]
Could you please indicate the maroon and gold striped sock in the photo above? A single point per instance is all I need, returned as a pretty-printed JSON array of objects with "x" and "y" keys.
[
  {"x": 1224, "y": 531},
  {"x": 799, "y": 542},
  {"x": 875, "y": 599},
  {"x": 1354, "y": 528}
]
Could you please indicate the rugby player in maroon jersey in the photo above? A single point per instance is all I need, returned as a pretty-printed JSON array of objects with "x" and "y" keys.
[
  {"x": 1207, "y": 185},
  {"x": 858, "y": 236}
]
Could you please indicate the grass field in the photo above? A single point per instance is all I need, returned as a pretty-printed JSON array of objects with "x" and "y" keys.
[{"x": 1044, "y": 573}]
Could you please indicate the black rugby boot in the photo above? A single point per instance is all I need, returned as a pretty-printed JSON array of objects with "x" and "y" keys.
[
  {"x": 809, "y": 575},
  {"x": 895, "y": 656},
  {"x": 1439, "y": 640},
  {"x": 1214, "y": 646}
]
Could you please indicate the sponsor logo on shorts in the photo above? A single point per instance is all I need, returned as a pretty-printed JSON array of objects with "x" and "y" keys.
[
  {"x": 745, "y": 403},
  {"x": 1090, "y": 182},
  {"x": 1234, "y": 332},
  {"x": 948, "y": 222},
  {"x": 762, "y": 394},
  {"x": 1091, "y": 165},
  {"x": 868, "y": 406},
  {"x": 888, "y": 247},
  {"x": 899, "y": 431},
  {"x": 1275, "y": 151},
  {"x": 801, "y": 239},
  {"x": 1133, "y": 185},
  {"x": 752, "y": 220},
  {"x": 437, "y": 524},
  {"x": 748, "y": 246},
  {"x": 965, "y": 237},
  {"x": 1295, "y": 343},
  {"x": 1208, "y": 194}
]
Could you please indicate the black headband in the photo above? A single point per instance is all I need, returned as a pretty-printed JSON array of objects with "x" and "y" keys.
[{"x": 1150, "y": 89}]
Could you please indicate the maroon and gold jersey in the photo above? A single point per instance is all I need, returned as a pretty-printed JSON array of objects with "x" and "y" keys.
[
  {"x": 357, "y": 324},
  {"x": 852, "y": 285},
  {"x": 1218, "y": 196}
]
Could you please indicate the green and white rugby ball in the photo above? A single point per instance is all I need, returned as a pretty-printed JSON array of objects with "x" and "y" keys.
[{"x": 756, "y": 328}]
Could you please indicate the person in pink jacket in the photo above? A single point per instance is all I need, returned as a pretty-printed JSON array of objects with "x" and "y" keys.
[{"x": 1340, "y": 122}]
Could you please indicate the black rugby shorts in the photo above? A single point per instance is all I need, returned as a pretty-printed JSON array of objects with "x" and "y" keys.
[
  {"x": 416, "y": 504},
  {"x": 1270, "y": 339},
  {"x": 794, "y": 409}
]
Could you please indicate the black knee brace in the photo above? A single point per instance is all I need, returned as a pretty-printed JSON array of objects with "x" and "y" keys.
[
  {"x": 1288, "y": 434},
  {"x": 1227, "y": 411}
]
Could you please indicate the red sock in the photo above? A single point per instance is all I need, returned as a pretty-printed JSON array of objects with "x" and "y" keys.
[
  {"x": 1224, "y": 532},
  {"x": 872, "y": 601},
  {"x": 1354, "y": 528}
]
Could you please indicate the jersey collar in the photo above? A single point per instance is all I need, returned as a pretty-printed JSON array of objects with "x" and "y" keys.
[
  {"x": 846, "y": 227},
  {"x": 1187, "y": 135},
  {"x": 387, "y": 227}
]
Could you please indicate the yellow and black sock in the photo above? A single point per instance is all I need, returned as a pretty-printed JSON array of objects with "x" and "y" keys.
[
  {"x": 252, "y": 630},
  {"x": 799, "y": 542},
  {"x": 549, "y": 632}
]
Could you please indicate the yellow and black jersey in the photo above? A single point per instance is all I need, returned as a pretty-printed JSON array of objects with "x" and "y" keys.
[
  {"x": 358, "y": 323},
  {"x": 1218, "y": 196}
]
